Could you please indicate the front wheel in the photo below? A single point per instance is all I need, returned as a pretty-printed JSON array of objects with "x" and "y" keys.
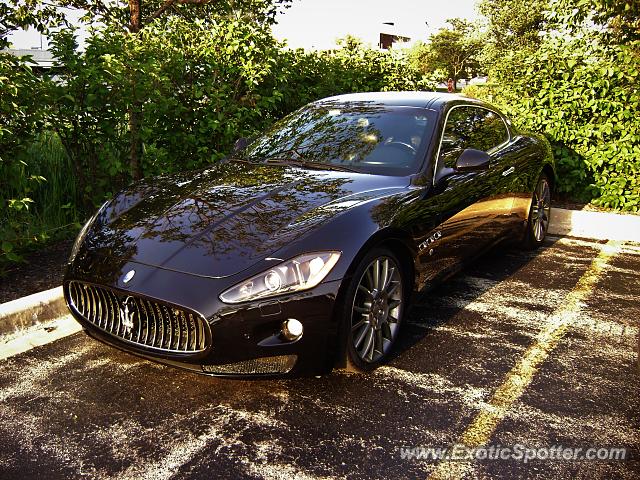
[
  {"x": 376, "y": 305},
  {"x": 539, "y": 214}
]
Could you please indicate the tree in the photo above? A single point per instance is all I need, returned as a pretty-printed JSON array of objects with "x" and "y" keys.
[
  {"x": 23, "y": 14},
  {"x": 454, "y": 50},
  {"x": 513, "y": 24},
  {"x": 131, "y": 16},
  {"x": 618, "y": 20},
  {"x": 261, "y": 10},
  {"x": 513, "y": 35}
]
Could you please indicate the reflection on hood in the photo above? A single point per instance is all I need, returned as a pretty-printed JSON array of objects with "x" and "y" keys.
[{"x": 219, "y": 221}]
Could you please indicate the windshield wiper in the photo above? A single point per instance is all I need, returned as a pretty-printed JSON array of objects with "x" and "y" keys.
[{"x": 309, "y": 164}]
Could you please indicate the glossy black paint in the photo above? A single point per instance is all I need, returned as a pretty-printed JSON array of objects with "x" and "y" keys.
[
  {"x": 193, "y": 235},
  {"x": 472, "y": 159}
]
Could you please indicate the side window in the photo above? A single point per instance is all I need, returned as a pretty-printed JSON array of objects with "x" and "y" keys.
[
  {"x": 493, "y": 131},
  {"x": 471, "y": 127},
  {"x": 456, "y": 136}
]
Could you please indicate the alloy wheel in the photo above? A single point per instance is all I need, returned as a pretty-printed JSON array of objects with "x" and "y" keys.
[
  {"x": 541, "y": 210},
  {"x": 377, "y": 309}
]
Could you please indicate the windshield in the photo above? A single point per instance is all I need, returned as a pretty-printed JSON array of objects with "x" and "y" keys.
[{"x": 361, "y": 136}]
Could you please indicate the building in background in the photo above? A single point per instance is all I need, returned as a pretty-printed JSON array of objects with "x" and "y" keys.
[
  {"x": 41, "y": 59},
  {"x": 390, "y": 37},
  {"x": 388, "y": 40}
]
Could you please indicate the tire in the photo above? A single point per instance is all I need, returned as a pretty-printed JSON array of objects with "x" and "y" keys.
[
  {"x": 373, "y": 310},
  {"x": 539, "y": 215}
]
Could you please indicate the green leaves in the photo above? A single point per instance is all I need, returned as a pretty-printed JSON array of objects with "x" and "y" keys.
[
  {"x": 14, "y": 257},
  {"x": 19, "y": 204},
  {"x": 197, "y": 78},
  {"x": 579, "y": 88}
]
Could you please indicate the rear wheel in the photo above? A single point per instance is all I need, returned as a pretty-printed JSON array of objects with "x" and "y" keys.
[
  {"x": 539, "y": 214},
  {"x": 376, "y": 304}
]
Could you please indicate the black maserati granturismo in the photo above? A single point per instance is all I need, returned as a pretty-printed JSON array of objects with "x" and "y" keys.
[{"x": 301, "y": 251}]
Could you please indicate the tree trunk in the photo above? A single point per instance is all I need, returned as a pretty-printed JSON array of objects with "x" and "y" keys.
[
  {"x": 135, "y": 110},
  {"x": 135, "y": 143}
]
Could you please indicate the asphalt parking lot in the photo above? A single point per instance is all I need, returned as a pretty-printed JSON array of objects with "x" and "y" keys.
[{"x": 521, "y": 348}]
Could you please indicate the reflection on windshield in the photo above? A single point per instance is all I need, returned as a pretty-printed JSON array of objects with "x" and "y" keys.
[{"x": 363, "y": 136}]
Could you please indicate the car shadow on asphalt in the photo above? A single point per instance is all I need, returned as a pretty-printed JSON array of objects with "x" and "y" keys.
[{"x": 499, "y": 263}]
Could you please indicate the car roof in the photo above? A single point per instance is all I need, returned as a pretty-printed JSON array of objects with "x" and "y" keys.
[{"x": 433, "y": 100}]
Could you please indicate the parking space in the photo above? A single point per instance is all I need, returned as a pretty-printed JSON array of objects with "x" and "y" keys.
[{"x": 535, "y": 348}]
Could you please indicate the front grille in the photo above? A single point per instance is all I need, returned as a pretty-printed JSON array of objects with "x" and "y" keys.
[
  {"x": 140, "y": 321},
  {"x": 262, "y": 365}
]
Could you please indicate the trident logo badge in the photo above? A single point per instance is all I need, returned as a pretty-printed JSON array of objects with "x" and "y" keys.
[{"x": 126, "y": 316}]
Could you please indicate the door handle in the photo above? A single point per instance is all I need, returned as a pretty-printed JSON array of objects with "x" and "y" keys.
[{"x": 508, "y": 171}]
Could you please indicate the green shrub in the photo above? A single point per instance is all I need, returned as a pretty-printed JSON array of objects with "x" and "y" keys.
[
  {"x": 580, "y": 89},
  {"x": 584, "y": 98},
  {"x": 200, "y": 84}
]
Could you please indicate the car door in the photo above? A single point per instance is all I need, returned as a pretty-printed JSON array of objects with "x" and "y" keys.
[
  {"x": 494, "y": 137},
  {"x": 470, "y": 206}
]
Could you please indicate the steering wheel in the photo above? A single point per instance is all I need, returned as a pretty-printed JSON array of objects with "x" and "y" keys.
[{"x": 402, "y": 145}]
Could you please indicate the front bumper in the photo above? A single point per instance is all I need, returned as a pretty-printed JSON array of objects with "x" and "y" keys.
[{"x": 245, "y": 339}]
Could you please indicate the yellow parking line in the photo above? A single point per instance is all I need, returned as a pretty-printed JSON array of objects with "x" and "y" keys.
[{"x": 521, "y": 375}]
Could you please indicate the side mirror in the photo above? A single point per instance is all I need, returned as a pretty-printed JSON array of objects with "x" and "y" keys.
[
  {"x": 241, "y": 144},
  {"x": 471, "y": 160}
]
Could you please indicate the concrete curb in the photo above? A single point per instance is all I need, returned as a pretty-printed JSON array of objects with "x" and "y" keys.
[
  {"x": 26, "y": 312},
  {"x": 595, "y": 225}
]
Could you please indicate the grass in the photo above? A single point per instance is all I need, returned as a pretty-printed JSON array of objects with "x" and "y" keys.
[{"x": 41, "y": 173}]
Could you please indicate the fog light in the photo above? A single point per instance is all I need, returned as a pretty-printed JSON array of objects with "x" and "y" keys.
[{"x": 291, "y": 329}]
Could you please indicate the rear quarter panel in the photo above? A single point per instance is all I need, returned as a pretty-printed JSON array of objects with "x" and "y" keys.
[{"x": 535, "y": 156}]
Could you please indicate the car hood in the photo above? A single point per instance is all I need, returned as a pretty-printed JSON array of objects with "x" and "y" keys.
[{"x": 220, "y": 221}]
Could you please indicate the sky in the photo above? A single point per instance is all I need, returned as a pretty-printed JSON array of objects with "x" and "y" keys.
[
  {"x": 22, "y": 39},
  {"x": 316, "y": 24}
]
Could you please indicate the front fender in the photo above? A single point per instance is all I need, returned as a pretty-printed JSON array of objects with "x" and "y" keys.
[{"x": 356, "y": 230}]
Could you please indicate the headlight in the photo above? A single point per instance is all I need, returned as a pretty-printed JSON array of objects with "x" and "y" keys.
[
  {"x": 83, "y": 233},
  {"x": 301, "y": 273}
]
